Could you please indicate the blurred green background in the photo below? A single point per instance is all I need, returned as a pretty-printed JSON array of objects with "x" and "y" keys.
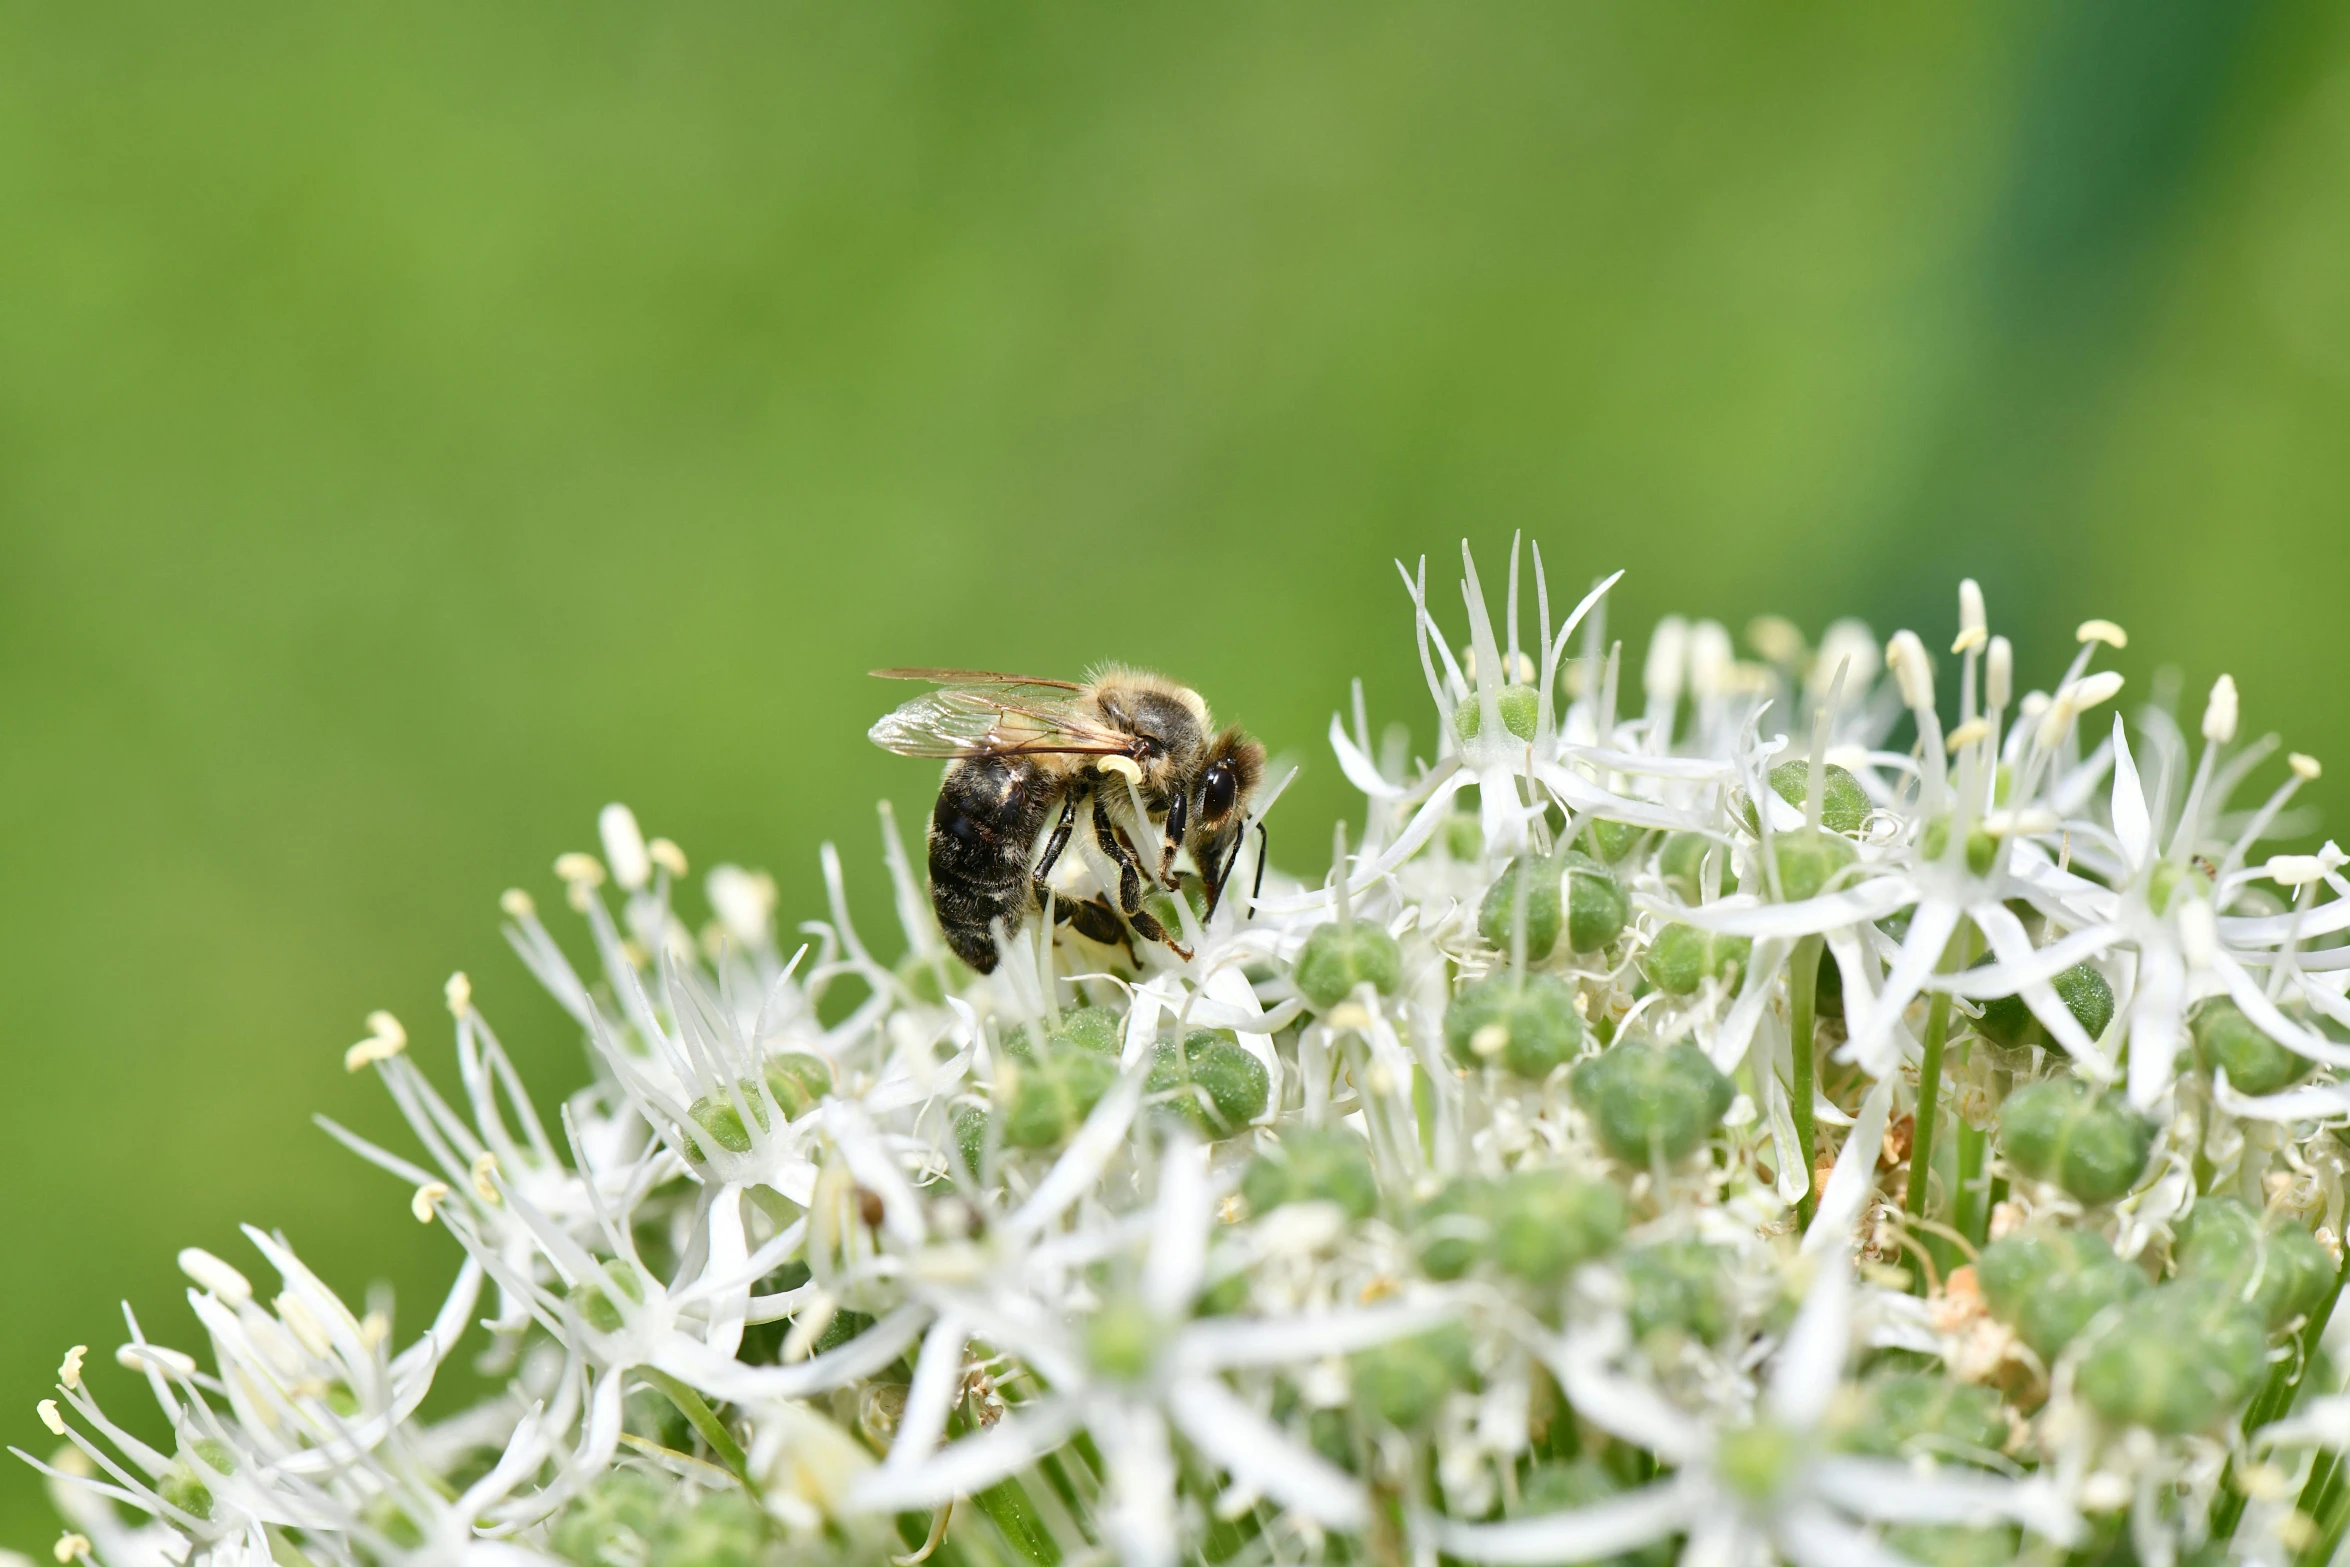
[{"x": 420, "y": 424}]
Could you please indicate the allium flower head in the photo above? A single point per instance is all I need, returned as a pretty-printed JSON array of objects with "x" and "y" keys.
[{"x": 1734, "y": 1107}]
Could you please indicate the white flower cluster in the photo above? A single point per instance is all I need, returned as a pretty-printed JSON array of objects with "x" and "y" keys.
[{"x": 1748, "y": 1118}]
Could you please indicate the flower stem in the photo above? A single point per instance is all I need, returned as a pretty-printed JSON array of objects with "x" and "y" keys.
[
  {"x": 1921, "y": 1144},
  {"x": 2274, "y": 1400},
  {"x": 703, "y": 1419},
  {"x": 1803, "y": 980}
]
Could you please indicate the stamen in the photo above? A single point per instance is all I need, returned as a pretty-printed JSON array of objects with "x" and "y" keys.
[
  {"x": 2104, "y": 631},
  {"x": 210, "y": 1273},
  {"x": 516, "y": 903},
  {"x": 666, "y": 854},
  {"x": 1973, "y": 627},
  {"x": 47, "y": 1410},
  {"x": 485, "y": 1165},
  {"x": 458, "y": 992},
  {"x": 2219, "y": 714},
  {"x": 69, "y": 1370},
  {"x": 427, "y": 1197},
  {"x": 624, "y": 846}
]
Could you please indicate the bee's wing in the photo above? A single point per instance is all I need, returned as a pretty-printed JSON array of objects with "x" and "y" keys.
[
  {"x": 967, "y": 721},
  {"x": 976, "y": 677}
]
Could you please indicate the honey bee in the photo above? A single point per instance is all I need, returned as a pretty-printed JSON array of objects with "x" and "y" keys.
[{"x": 1019, "y": 749}]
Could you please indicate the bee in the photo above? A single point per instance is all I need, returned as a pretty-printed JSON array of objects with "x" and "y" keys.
[{"x": 1025, "y": 753}]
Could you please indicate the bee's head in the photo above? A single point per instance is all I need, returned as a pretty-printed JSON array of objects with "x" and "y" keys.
[{"x": 1220, "y": 792}]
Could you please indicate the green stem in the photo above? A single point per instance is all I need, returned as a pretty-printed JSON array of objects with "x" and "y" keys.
[
  {"x": 1921, "y": 1142},
  {"x": 1009, "y": 1508},
  {"x": 1803, "y": 980},
  {"x": 703, "y": 1419},
  {"x": 1970, "y": 1212},
  {"x": 2273, "y": 1402}
]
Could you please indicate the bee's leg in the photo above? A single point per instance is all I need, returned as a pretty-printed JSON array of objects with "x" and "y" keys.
[
  {"x": 1095, "y": 921},
  {"x": 1055, "y": 844},
  {"x": 1177, "y": 814},
  {"x": 1113, "y": 843}
]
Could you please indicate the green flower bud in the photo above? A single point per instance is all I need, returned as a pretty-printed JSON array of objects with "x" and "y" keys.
[
  {"x": 620, "y": 1510},
  {"x": 1910, "y": 1413},
  {"x": 1519, "y": 706},
  {"x": 2226, "y": 1040},
  {"x": 595, "y": 1305},
  {"x": 845, "y": 1327},
  {"x": 213, "y": 1454},
  {"x": 2090, "y": 1143},
  {"x": 1336, "y": 958},
  {"x": 1593, "y": 904},
  {"x": 1677, "y": 1288},
  {"x": 970, "y": 1123},
  {"x": 1123, "y": 1338},
  {"x": 2048, "y": 1284},
  {"x": 1683, "y": 957},
  {"x": 1044, "y": 1100},
  {"x": 1402, "y": 1382},
  {"x": 1210, "y": 1080},
  {"x": 180, "y": 1487},
  {"x": 1537, "y": 1225},
  {"x": 1809, "y": 862},
  {"x": 1843, "y": 806},
  {"x": 1982, "y": 850},
  {"x": 1954, "y": 1545},
  {"x": 1649, "y": 1101},
  {"x": 1528, "y": 1026},
  {"x": 2006, "y": 1020},
  {"x": 1098, "y": 1029},
  {"x": 2278, "y": 1269},
  {"x": 1310, "y": 1165},
  {"x": 1464, "y": 837},
  {"x": 2166, "y": 877},
  {"x": 1612, "y": 841},
  {"x": 2179, "y": 1358},
  {"x": 1681, "y": 863},
  {"x": 716, "y": 1115}
]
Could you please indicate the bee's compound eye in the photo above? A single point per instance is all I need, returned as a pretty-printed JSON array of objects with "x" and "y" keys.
[{"x": 1218, "y": 792}]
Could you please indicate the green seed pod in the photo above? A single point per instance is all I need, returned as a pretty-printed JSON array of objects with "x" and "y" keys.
[
  {"x": 1336, "y": 958},
  {"x": 970, "y": 1123},
  {"x": 1536, "y": 1225},
  {"x": 1809, "y": 861},
  {"x": 1310, "y": 1165},
  {"x": 213, "y": 1455},
  {"x": 180, "y": 1487},
  {"x": 716, "y": 1115},
  {"x": 1612, "y": 841},
  {"x": 1123, "y": 1338},
  {"x": 2167, "y": 877},
  {"x": 2090, "y": 1143},
  {"x": 1519, "y": 707},
  {"x": 594, "y": 1300},
  {"x": 1464, "y": 837},
  {"x": 2048, "y": 1284},
  {"x": 1843, "y": 806},
  {"x": 1954, "y": 1545},
  {"x": 1097, "y": 1029},
  {"x": 2181, "y": 1357},
  {"x": 1044, "y": 1100},
  {"x": 1403, "y": 1382},
  {"x": 1911, "y": 1413},
  {"x": 2226, "y": 1040},
  {"x": 1527, "y": 1025},
  {"x": 2278, "y": 1269},
  {"x": 1544, "y": 915},
  {"x": 1682, "y": 957},
  {"x": 2006, "y": 1020},
  {"x": 798, "y": 1081},
  {"x": 1649, "y": 1101},
  {"x": 614, "y": 1515},
  {"x": 1982, "y": 850},
  {"x": 1678, "y": 1289},
  {"x": 1597, "y": 905},
  {"x": 1681, "y": 861},
  {"x": 1210, "y": 1080}
]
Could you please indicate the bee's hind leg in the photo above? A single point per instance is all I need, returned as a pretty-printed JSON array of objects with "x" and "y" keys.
[
  {"x": 1095, "y": 921},
  {"x": 1114, "y": 844}
]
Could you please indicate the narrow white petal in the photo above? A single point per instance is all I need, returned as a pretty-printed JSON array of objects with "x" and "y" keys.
[
  {"x": 1269, "y": 1341},
  {"x": 938, "y": 1379},
  {"x": 2014, "y": 950},
  {"x": 1746, "y": 916},
  {"x": 1259, "y": 1453},
  {"x": 2132, "y": 824},
  {"x": 1811, "y": 1361},
  {"x": 1847, "y": 1191},
  {"x": 1179, "y": 1232},
  {"x": 1895, "y": 1492},
  {"x": 2154, "y": 1024},
  {"x": 972, "y": 1464},
  {"x": 1815, "y": 1537},
  {"x": 1360, "y": 770},
  {"x": 1929, "y": 932},
  {"x": 1582, "y": 1534}
]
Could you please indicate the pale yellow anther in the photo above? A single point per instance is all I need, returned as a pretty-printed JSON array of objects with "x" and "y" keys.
[
  {"x": 1968, "y": 733},
  {"x": 2104, "y": 631},
  {"x": 666, "y": 854},
  {"x": 70, "y": 1546},
  {"x": 145, "y": 1357},
  {"x": 374, "y": 1329},
  {"x": 1972, "y": 637},
  {"x": 577, "y": 868},
  {"x": 1974, "y": 625},
  {"x": 2091, "y": 689},
  {"x": 1124, "y": 766},
  {"x": 2219, "y": 714},
  {"x": 2305, "y": 767},
  {"x": 517, "y": 904},
  {"x": 485, "y": 1165},
  {"x": 2295, "y": 870},
  {"x": 303, "y": 1324},
  {"x": 624, "y": 846},
  {"x": 2034, "y": 704},
  {"x": 427, "y": 1197},
  {"x": 458, "y": 992},
  {"x": 1906, "y": 656},
  {"x": 1998, "y": 674},
  {"x": 1777, "y": 638},
  {"x": 47, "y": 1410},
  {"x": 374, "y": 1048},
  {"x": 69, "y": 1370},
  {"x": 1490, "y": 1040},
  {"x": 209, "y": 1272}
]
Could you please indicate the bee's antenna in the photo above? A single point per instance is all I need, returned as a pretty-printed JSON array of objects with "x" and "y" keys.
[{"x": 1264, "y": 852}]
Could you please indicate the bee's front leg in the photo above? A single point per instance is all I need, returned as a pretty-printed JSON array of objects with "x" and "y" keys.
[{"x": 1113, "y": 843}]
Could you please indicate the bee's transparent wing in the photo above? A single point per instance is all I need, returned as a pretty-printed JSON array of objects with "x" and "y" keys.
[{"x": 967, "y": 721}]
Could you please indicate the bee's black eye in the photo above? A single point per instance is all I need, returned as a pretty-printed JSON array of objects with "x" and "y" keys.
[{"x": 1218, "y": 792}]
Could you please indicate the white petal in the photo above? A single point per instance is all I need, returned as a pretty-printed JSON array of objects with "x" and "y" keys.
[
  {"x": 1929, "y": 932},
  {"x": 1579, "y": 793},
  {"x": 1261, "y": 1454},
  {"x": 1418, "y": 831},
  {"x": 1101, "y": 1138},
  {"x": 1815, "y": 1537},
  {"x": 1728, "y": 1046},
  {"x": 938, "y": 1378},
  {"x": 1811, "y": 1360},
  {"x": 1898, "y": 1493},
  {"x": 1741, "y": 916},
  {"x": 2154, "y": 1024},
  {"x": 972, "y": 1464},
  {"x": 1179, "y": 1231},
  {"x": 1141, "y": 1484},
  {"x": 1847, "y": 1190},
  {"x": 2131, "y": 822},
  {"x": 1274, "y": 1341},
  {"x": 1360, "y": 770},
  {"x": 2016, "y": 957},
  {"x": 1582, "y": 1534},
  {"x": 2035, "y": 966}
]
